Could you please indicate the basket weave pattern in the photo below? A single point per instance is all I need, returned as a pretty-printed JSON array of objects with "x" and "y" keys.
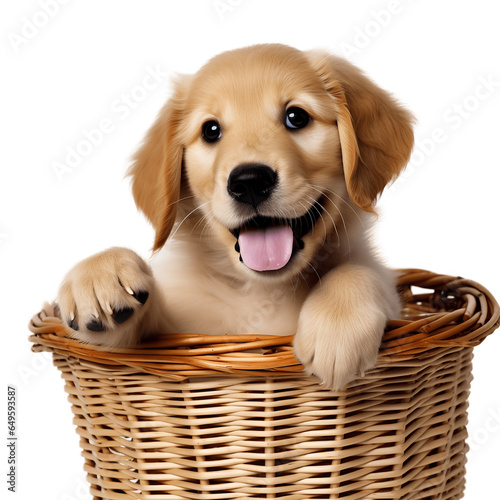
[{"x": 232, "y": 417}]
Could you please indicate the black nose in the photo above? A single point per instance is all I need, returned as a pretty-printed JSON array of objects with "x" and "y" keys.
[{"x": 252, "y": 183}]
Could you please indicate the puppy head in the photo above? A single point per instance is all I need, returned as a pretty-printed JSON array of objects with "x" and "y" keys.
[{"x": 264, "y": 148}]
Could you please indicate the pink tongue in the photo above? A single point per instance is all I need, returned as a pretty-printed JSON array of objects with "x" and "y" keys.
[{"x": 266, "y": 249}]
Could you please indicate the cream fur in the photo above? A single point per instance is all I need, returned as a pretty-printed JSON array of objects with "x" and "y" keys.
[{"x": 334, "y": 294}]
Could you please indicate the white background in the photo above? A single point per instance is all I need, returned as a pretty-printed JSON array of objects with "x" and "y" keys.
[{"x": 75, "y": 69}]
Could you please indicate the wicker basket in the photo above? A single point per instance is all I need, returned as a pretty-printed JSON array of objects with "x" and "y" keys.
[{"x": 232, "y": 417}]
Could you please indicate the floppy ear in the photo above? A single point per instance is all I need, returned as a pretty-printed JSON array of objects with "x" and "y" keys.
[
  {"x": 376, "y": 135},
  {"x": 157, "y": 167}
]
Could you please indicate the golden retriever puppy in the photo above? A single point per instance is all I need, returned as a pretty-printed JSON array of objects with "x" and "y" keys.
[{"x": 260, "y": 177}]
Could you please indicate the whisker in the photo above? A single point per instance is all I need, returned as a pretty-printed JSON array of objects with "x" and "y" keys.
[
  {"x": 204, "y": 221},
  {"x": 313, "y": 268},
  {"x": 331, "y": 218},
  {"x": 294, "y": 281},
  {"x": 307, "y": 211},
  {"x": 190, "y": 213},
  {"x": 313, "y": 203},
  {"x": 179, "y": 200},
  {"x": 340, "y": 213},
  {"x": 210, "y": 212},
  {"x": 300, "y": 276},
  {"x": 347, "y": 202},
  {"x": 206, "y": 224}
]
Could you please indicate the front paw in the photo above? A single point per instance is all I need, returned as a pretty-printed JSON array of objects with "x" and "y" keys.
[
  {"x": 340, "y": 330},
  {"x": 337, "y": 355},
  {"x": 103, "y": 298}
]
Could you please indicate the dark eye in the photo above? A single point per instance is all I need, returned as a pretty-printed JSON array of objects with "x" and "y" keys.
[
  {"x": 211, "y": 131},
  {"x": 296, "y": 118}
]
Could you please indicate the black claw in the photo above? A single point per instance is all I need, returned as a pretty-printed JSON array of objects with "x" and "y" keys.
[
  {"x": 141, "y": 296},
  {"x": 122, "y": 315},
  {"x": 73, "y": 324},
  {"x": 95, "y": 326}
]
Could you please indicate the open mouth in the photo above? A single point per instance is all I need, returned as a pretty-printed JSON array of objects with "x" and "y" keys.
[{"x": 269, "y": 243}]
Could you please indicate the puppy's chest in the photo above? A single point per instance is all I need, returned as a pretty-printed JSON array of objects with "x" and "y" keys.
[
  {"x": 215, "y": 308},
  {"x": 197, "y": 302},
  {"x": 268, "y": 311}
]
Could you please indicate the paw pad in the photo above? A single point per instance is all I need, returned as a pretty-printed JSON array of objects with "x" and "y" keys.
[
  {"x": 141, "y": 296},
  {"x": 73, "y": 324},
  {"x": 95, "y": 325},
  {"x": 122, "y": 315}
]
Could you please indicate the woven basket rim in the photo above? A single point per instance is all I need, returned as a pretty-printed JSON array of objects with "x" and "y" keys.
[{"x": 458, "y": 313}]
